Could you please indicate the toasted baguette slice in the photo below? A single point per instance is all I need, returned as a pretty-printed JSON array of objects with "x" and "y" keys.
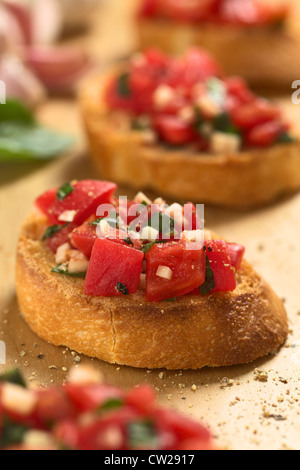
[
  {"x": 189, "y": 333},
  {"x": 263, "y": 56},
  {"x": 242, "y": 180}
]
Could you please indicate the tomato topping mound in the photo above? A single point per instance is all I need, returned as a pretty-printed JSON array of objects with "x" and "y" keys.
[
  {"x": 86, "y": 414},
  {"x": 230, "y": 12},
  {"x": 122, "y": 247},
  {"x": 188, "y": 101}
]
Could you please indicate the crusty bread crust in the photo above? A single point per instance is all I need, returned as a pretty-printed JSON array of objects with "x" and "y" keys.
[
  {"x": 263, "y": 56},
  {"x": 243, "y": 180},
  {"x": 189, "y": 333}
]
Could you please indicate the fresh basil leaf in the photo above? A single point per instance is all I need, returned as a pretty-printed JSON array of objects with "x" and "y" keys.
[
  {"x": 209, "y": 283},
  {"x": 286, "y": 138},
  {"x": 24, "y": 142},
  {"x": 223, "y": 123},
  {"x": 51, "y": 231},
  {"x": 14, "y": 110},
  {"x": 122, "y": 288},
  {"x": 112, "y": 404},
  {"x": 123, "y": 86},
  {"x": 11, "y": 433},
  {"x": 13, "y": 376},
  {"x": 60, "y": 270},
  {"x": 148, "y": 246},
  {"x": 64, "y": 191},
  {"x": 142, "y": 434}
]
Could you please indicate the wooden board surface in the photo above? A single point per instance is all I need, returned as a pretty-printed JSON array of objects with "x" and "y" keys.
[{"x": 246, "y": 414}]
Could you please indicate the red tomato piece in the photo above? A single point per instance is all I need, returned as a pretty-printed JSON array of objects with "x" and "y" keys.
[
  {"x": 141, "y": 398},
  {"x": 220, "y": 263},
  {"x": 84, "y": 238},
  {"x": 91, "y": 397},
  {"x": 84, "y": 200},
  {"x": 257, "y": 112},
  {"x": 236, "y": 254},
  {"x": 199, "y": 66},
  {"x": 60, "y": 238},
  {"x": 45, "y": 201},
  {"x": 264, "y": 135},
  {"x": 191, "y": 216},
  {"x": 183, "y": 428},
  {"x": 113, "y": 266},
  {"x": 52, "y": 405},
  {"x": 238, "y": 88},
  {"x": 252, "y": 12},
  {"x": 187, "y": 10},
  {"x": 149, "y": 8},
  {"x": 187, "y": 266},
  {"x": 67, "y": 434},
  {"x": 173, "y": 130}
]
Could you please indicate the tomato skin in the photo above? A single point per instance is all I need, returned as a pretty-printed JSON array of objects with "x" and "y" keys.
[
  {"x": 91, "y": 397},
  {"x": 142, "y": 398},
  {"x": 265, "y": 134},
  {"x": 67, "y": 434},
  {"x": 60, "y": 238},
  {"x": 173, "y": 130},
  {"x": 85, "y": 199},
  {"x": 220, "y": 263},
  {"x": 149, "y": 8},
  {"x": 236, "y": 254},
  {"x": 254, "y": 113},
  {"x": 112, "y": 263},
  {"x": 52, "y": 405},
  {"x": 188, "y": 267},
  {"x": 45, "y": 201},
  {"x": 187, "y": 10}
]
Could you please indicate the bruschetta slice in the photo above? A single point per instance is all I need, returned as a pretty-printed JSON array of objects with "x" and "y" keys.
[
  {"x": 141, "y": 283},
  {"x": 185, "y": 130},
  {"x": 241, "y": 34}
]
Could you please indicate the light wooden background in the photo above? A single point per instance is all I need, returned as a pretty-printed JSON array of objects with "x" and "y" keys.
[{"x": 248, "y": 415}]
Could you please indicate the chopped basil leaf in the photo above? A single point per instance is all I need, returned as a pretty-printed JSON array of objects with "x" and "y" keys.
[
  {"x": 223, "y": 123},
  {"x": 51, "y": 231},
  {"x": 209, "y": 283},
  {"x": 123, "y": 86},
  {"x": 112, "y": 404},
  {"x": 122, "y": 288},
  {"x": 11, "y": 433},
  {"x": 148, "y": 246},
  {"x": 60, "y": 269},
  {"x": 14, "y": 377},
  {"x": 142, "y": 434},
  {"x": 170, "y": 300},
  {"x": 285, "y": 138},
  {"x": 64, "y": 191}
]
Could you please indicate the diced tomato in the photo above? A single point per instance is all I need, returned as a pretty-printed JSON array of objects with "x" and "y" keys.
[
  {"x": 257, "y": 112},
  {"x": 52, "y": 405},
  {"x": 67, "y": 434},
  {"x": 188, "y": 270},
  {"x": 114, "y": 269},
  {"x": 97, "y": 436},
  {"x": 220, "y": 263},
  {"x": 188, "y": 10},
  {"x": 191, "y": 216},
  {"x": 173, "y": 130},
  {"x": 60, "y": 238},
  {"x": 45, "y": 201},
  {"x": 198, "y": 66},
  {"x": 252, "y": 12},
  {"x": 265, "y": 134},
  {"x": 236, "y": 254},
  {"x": 84, "y": 238},
  {"x": 183, "y": 428},
  {"x": 84, "y": 200},
  {"x": 238, "y": 88},
  {"x": 142, "y": 398},
  {"x": 149, "y": 8},
  {"x": 91, "y": 397}
]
